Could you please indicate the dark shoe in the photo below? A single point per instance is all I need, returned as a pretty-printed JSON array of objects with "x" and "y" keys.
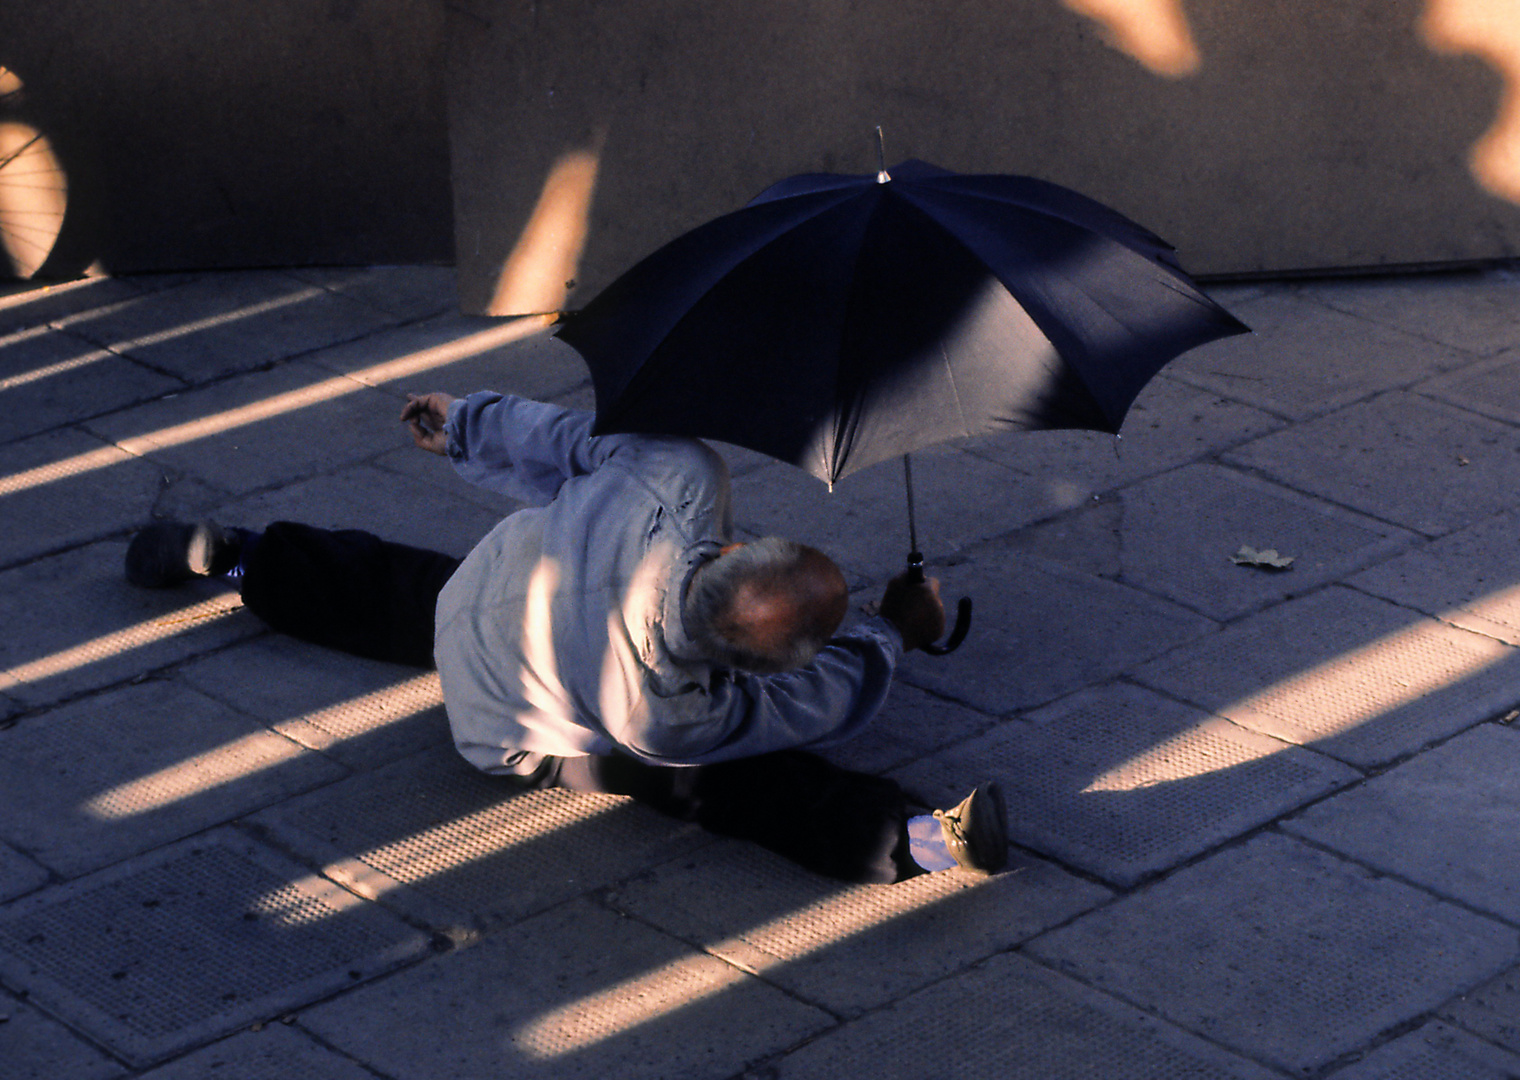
[
  {"x": 170, "y": 552},
  {"x": 976, "y": 830}
]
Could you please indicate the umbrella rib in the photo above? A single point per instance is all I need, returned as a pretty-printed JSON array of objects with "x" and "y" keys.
[
  {"x": 847, "y": 421},
  {"x": 643, "y": 375},
  {"x": 1163, "y": 275},
  {"x": 1029, "y": 207},
  {"x": 955, "y": 388}
]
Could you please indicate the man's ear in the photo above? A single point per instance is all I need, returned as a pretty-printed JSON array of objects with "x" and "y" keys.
[{"x": 729, "y": 548}]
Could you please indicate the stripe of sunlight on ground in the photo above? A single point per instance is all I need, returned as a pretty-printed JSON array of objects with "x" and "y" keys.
[
  {"x": 1389, "y": 663},
  {"x": 32, "y": 293},
  {"x": 230, "y": 419},
  {"x": 117, "y": 348},
  {"x": 121, "y": 641},
  {"x": 1335, "y": 693},
  {"x": 74, "y": 363},
  {"x": 195, "y": 326},
  {"x": 845, "y": 912},
  {"x": 206, "y": 771}
]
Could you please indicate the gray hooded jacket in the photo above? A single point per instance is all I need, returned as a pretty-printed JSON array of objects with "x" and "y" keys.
[{"x": 561, "y": 633}]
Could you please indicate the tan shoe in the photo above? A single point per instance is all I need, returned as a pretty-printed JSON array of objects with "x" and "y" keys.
[
  {"x": 170, "y": 552},
  {"x": 976, "y": 829}
]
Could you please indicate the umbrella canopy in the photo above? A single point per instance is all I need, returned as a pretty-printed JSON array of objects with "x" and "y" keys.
[{"x": 836, "y": 321}]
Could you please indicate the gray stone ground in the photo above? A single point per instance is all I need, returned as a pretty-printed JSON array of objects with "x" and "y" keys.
[{"x": 1265, "y": 823}]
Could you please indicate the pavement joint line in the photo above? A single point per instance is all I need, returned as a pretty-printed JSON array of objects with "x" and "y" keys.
[
  {"x": 1381, "y": 1039},
  {"x": 162, "y": 673},
  {"x": 330, "y": 1047},
  {"x": 1476, "y": 1035},
  {"x": 599, "y": 897},
  {"x": 1258, "y": 473},
  {"x": 89, "y": 1040},
  {"x": 187, "y": 386},
  {"x": 1436, "y": 399},
  {"x": 334, "y": 386},
  {"x": 1418, "y": 542},
  {"x": 1234, "y": 1051},
  {"x": 1442, "y": 617},
  {"x": 1393, "y": 875},
  {"x": 194, "y": 326}
]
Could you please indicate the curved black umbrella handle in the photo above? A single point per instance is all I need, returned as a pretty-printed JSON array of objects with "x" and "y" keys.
[{"x": 962, "y": 611}]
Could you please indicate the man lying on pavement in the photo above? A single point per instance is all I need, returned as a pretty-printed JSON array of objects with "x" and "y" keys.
[{"x": 613, "y": 637}]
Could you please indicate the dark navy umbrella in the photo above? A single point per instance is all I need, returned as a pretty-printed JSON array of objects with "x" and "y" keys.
[{"x": 837, "y": 321}]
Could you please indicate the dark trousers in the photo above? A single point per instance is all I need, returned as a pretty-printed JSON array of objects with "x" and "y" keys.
[{"x": 352, "y": 591}]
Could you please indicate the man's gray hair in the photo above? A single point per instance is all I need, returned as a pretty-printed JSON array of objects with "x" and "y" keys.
[{"x": 715, "y": 623}]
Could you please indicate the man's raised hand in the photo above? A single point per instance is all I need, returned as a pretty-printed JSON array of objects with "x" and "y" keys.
[
  {"x": 914, "y": 607},
  {"x": 424, "y": 416}
]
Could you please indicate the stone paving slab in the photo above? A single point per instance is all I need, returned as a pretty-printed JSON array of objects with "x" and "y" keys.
[
  {"x": 863, "y": 523},
  {"x": 576, "y": 993},
  {"x": 1040, "y": 631},
  {"x": 362, "y": 713},
  {"x": 1305, "y": 358},
  {"x": 42, "y": 305},
  {"x": 1141, "y": 536},
  {"x": 459, "y": 849},
  {"x": 1470, "y": 578},
  {"x": 1476, "y": 311},
  {"x": 1445, "y": 820},
  {"x": 207, "y": 327},
  {"x": 1491, "y": 387},
  {"x": 50, "y": 379},
  {"x": 35, "y": 1047},
  {"x": 184, "y": 498},
  {"x": 1282, "y": 952},
  {"x": 460, "y": 354},
  {"x": 439, "y": 476},
  {"x": 524, "y": 879},
  {"x": 275, "y": 1050},
  {"x": 1400, "y": 457},
  {"x": 1170, "y": 424},
  {"x": 1123, "y": 782},
  {"x": 406, "y": 292},
  {"x": 168, "y": 951},
  {"x": 65, "y": 488},
  {"x": 363, "y": 497},
  {"x": 112, "y": 631},
  {"x": 1491, "y": 1010},
  {"x": 1010, "y": 1018},
  {"x": 18, "y": 874},
  {"x": 911, "y": 724},
  {"x": 1434, "y": 1052},
  {"x": 112, "y": 775},
  {"x": 252, "y": 431},
  {"x": 1352, "y": 676},
  {"x": 848, "y": 948}
]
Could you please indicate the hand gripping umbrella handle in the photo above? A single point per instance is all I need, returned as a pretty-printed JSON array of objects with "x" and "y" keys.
[{"x": 962, "y": 610}]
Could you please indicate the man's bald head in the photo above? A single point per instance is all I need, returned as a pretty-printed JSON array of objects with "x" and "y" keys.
[{"x": 766, "y": 606}]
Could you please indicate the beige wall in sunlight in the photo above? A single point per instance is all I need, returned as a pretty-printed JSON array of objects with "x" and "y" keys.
[
  {"x": 1489, "y": 29},
  {"x": 1256, "y": 137}
]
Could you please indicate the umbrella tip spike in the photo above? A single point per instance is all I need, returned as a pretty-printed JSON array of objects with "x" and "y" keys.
[{"x": 882, "y": 176}]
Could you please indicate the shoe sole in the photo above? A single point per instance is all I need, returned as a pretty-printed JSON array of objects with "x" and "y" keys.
[
  {"x": 988, "y": 839},
  {"x": 201, "y": 548}
]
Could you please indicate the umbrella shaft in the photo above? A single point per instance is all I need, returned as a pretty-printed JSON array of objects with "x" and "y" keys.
[{"x": 908, "y": 483}]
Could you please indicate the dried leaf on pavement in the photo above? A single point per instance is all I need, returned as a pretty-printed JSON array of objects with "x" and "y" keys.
[{"x": 1265, "y": 559}]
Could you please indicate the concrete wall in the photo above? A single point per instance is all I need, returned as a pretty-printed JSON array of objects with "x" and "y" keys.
[
  {"x": 1295, "y": 134},
  {"x": 202, "y": 133},
  {"x": 1258, "y": 135}
]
